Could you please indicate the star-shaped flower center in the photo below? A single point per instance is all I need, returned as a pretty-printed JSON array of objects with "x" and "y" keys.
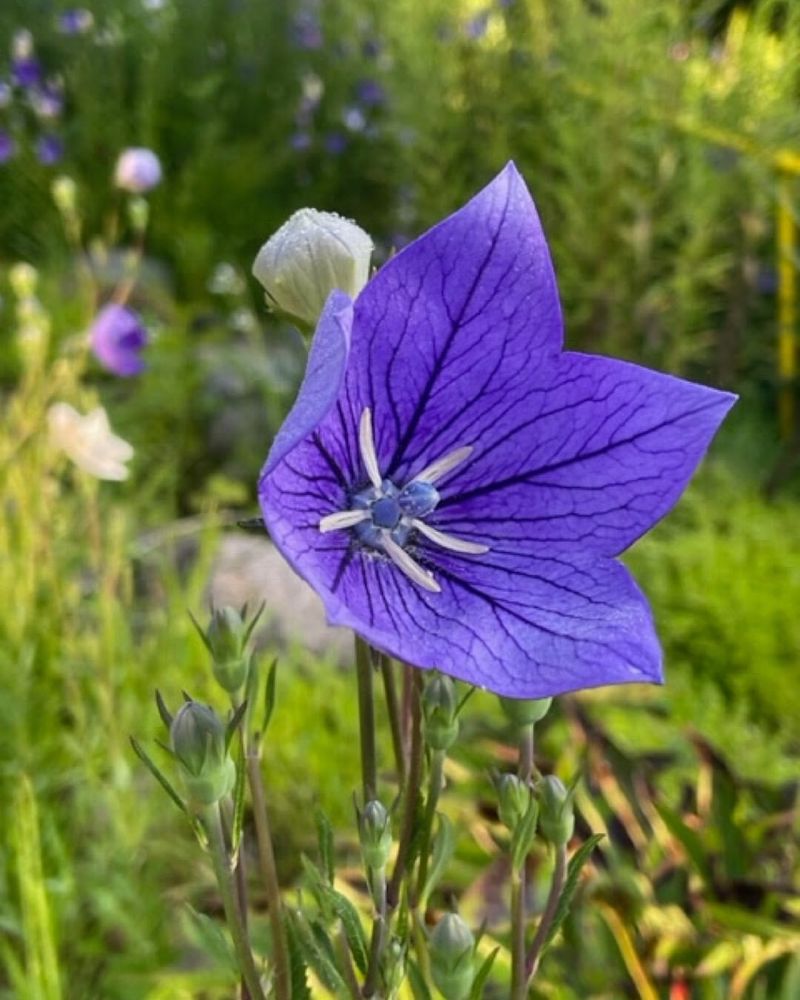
[{"x": 385, "y": 517}]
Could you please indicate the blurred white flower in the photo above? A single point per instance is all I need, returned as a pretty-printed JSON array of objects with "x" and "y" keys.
[
  {"x": 311, "y": 255},
  {"x": 89, "y": 441}
]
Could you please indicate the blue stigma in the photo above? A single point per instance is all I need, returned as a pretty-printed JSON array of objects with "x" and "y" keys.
[{"x": 386, "y": 513}]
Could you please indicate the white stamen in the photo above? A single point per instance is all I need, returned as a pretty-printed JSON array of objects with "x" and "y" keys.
[
  {"x": 449, "y": 541},
  {"x": 442, "y": 466},
  {"x": 343, "y": 519},
  {"x": 407, "y": 565},
  {"x": 366, "y": 443}
]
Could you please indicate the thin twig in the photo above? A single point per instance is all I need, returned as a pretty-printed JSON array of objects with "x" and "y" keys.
[
  {"x": 414, "y": 680},
  {"x": 393, "y": 711},
  {"x": 535, "y": 951},
  {"x": 366, "y": 719}
]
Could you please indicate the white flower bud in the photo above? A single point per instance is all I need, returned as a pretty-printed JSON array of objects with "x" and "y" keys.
[
  {"x": 311, "y": 255},
  {"x": 89, "y": 441}
]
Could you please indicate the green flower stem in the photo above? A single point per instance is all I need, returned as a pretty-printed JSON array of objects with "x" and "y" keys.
[
  {"x": 269, "y": 874},
  {"x": 519, "y": 976},
  {"x": 366, "y": 719},
  {"x": 346, "y": 960},
  {"x": 212, "y": 822},
  {"x": 414, "y": 680},
  {"x": 377, "y": 880},
  {"x": 435, "y": 780},
  {"x": 421, "y": 947},
  {"x": 393, "y": 710},
  {"x": 537, "y": 946}
]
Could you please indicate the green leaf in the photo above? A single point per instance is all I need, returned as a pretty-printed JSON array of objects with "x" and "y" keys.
[
  {"x": 297, "y": 967},
  {"x": 201, "y": 632},
  {"x": 577, "y": 861},
  {"x": 417, "y": 983},
  {"x": 239, "y": 796},
  {"x": 253, "y": 621},
  {"x": 317, "y": 956},
  {"x": 269, "y": 695},
  {"x": 213, "y": 939},
  {"x": 522, "y": 840},
  {"x": 444, "y": 844},
  {"x": 476, "y": 993},
  {"x": 143, "y": 756},
  {"x": 233, "y": 723},
  {"x": 689, "y": 840},
  {"x": 163, "y": 711},
  {"x": 325, "y": 842},
  {"x": 354, "y": 932}
]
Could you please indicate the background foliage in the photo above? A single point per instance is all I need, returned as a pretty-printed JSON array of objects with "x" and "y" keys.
[{"x": 621, "y": 116}]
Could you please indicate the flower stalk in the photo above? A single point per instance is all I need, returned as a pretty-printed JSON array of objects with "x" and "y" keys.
[
  {"x": 519, "y": 978},
  {"x": 269, "y": 875},
  {"x": 212, "y": 823},
  {"x": 393, "y": 711},
  {"x": 435, "y": 781},
  {"x": 414, "y": 680},
  {"x": 534, "y": 955}
]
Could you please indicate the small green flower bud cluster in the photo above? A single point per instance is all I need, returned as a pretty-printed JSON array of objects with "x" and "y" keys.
[
  {"x": 375, "y": 833},
  {"x": 199, "y": 742},
  {"x": 514, "y": 799},
  {"x": 227, "y": 640},
  {"x": 557, "y": 815},
  {"x": 440, "y": 712},
  {"x": 452, "y": 955}
]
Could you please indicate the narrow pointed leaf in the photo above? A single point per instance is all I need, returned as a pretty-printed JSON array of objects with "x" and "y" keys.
[
  {"x": 143, "y": 756},
  {"x": 326, "y": 844},
  {"x": 233, "y": 723},
  {"x": 203, "y": 636},
  {"x": 577, "y": 861},
  {"x": 255, "y": 525},
  {"x": 522, "y": 840},
  {"x": 253, "y": 621},
  {"x": 419, "y": 988},
  {"x": 476, "y": 993},
  {"x": 213, "y": 939},
  {"x": 317, "y": 957},
  {"x": 444, "y": 844},
  {"x": 163, "y": 711},
  {"x": 269, "y": 695},
  {"x": 297, "y": 966},
  {"x": 354, "y": 932}
]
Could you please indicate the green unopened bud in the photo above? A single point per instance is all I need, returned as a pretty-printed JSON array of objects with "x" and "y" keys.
[
  {"x": 65, "y": 194},
  {"x": 440, "y": 712},
  {"x": 375, "y": 832},
  {"x": 525, "y": 711},
  {"x": 452, "y": 953},
  {"x": 514, "y": 798},
  {"x": 138, "y": 213},
  {"x": 556, "y": 816},
  {"x": 311, "y": 255},
  {"x": 227, "y": 637},
  {"x": 198, "y": 741},
  {"x": 23, "y": 279}
]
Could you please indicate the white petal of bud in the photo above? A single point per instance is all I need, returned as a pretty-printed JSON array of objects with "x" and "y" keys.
[{"x": 311, "y": 255}]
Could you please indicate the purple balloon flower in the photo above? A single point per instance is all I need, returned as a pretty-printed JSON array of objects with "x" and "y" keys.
[
  {"x": 457, "y": 487},
  {"x": 26, "y": 72},
  {"x": 117, "y": 338}
]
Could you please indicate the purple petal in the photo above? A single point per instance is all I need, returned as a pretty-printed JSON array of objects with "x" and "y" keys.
[
  {"x": 322, "y": 383},
  {"x": 117, "y": 338},
  {"x": 466, "y": 314},
  {"x": 597, "y": 453}
]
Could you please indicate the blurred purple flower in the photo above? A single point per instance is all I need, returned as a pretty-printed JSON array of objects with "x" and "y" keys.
[
  {"x": 77, "y": 21},
  {"x": 47, "y": 101},
  {"x": 476, "y": 26},
  {"x": 457, "y": 487},
  {"x": 26, "y": 72},
  {"x": 372, "y": 48},
  {"x": 49, "y": 149},
  {"x": 300, "y": 141},
  {"x": 335, "y": 143},
  {"x": 138, "y": 170},
  {"x": 5, "y": 94},
  {"x": 118, "y": 338},
  {"x": 370, "y": 92},
  {"x": 7, "y": 146},
  {"x": 307, "y": 31}
]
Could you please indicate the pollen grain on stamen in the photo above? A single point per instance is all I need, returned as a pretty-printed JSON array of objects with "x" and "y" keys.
[
  {"x": 450, "y": 542},
  {"x": 366, "y": 442},
  {"x": 443, "y": 466},
  {"x": 406, "y": 564},
  {"x": 342, "y": 519}
]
